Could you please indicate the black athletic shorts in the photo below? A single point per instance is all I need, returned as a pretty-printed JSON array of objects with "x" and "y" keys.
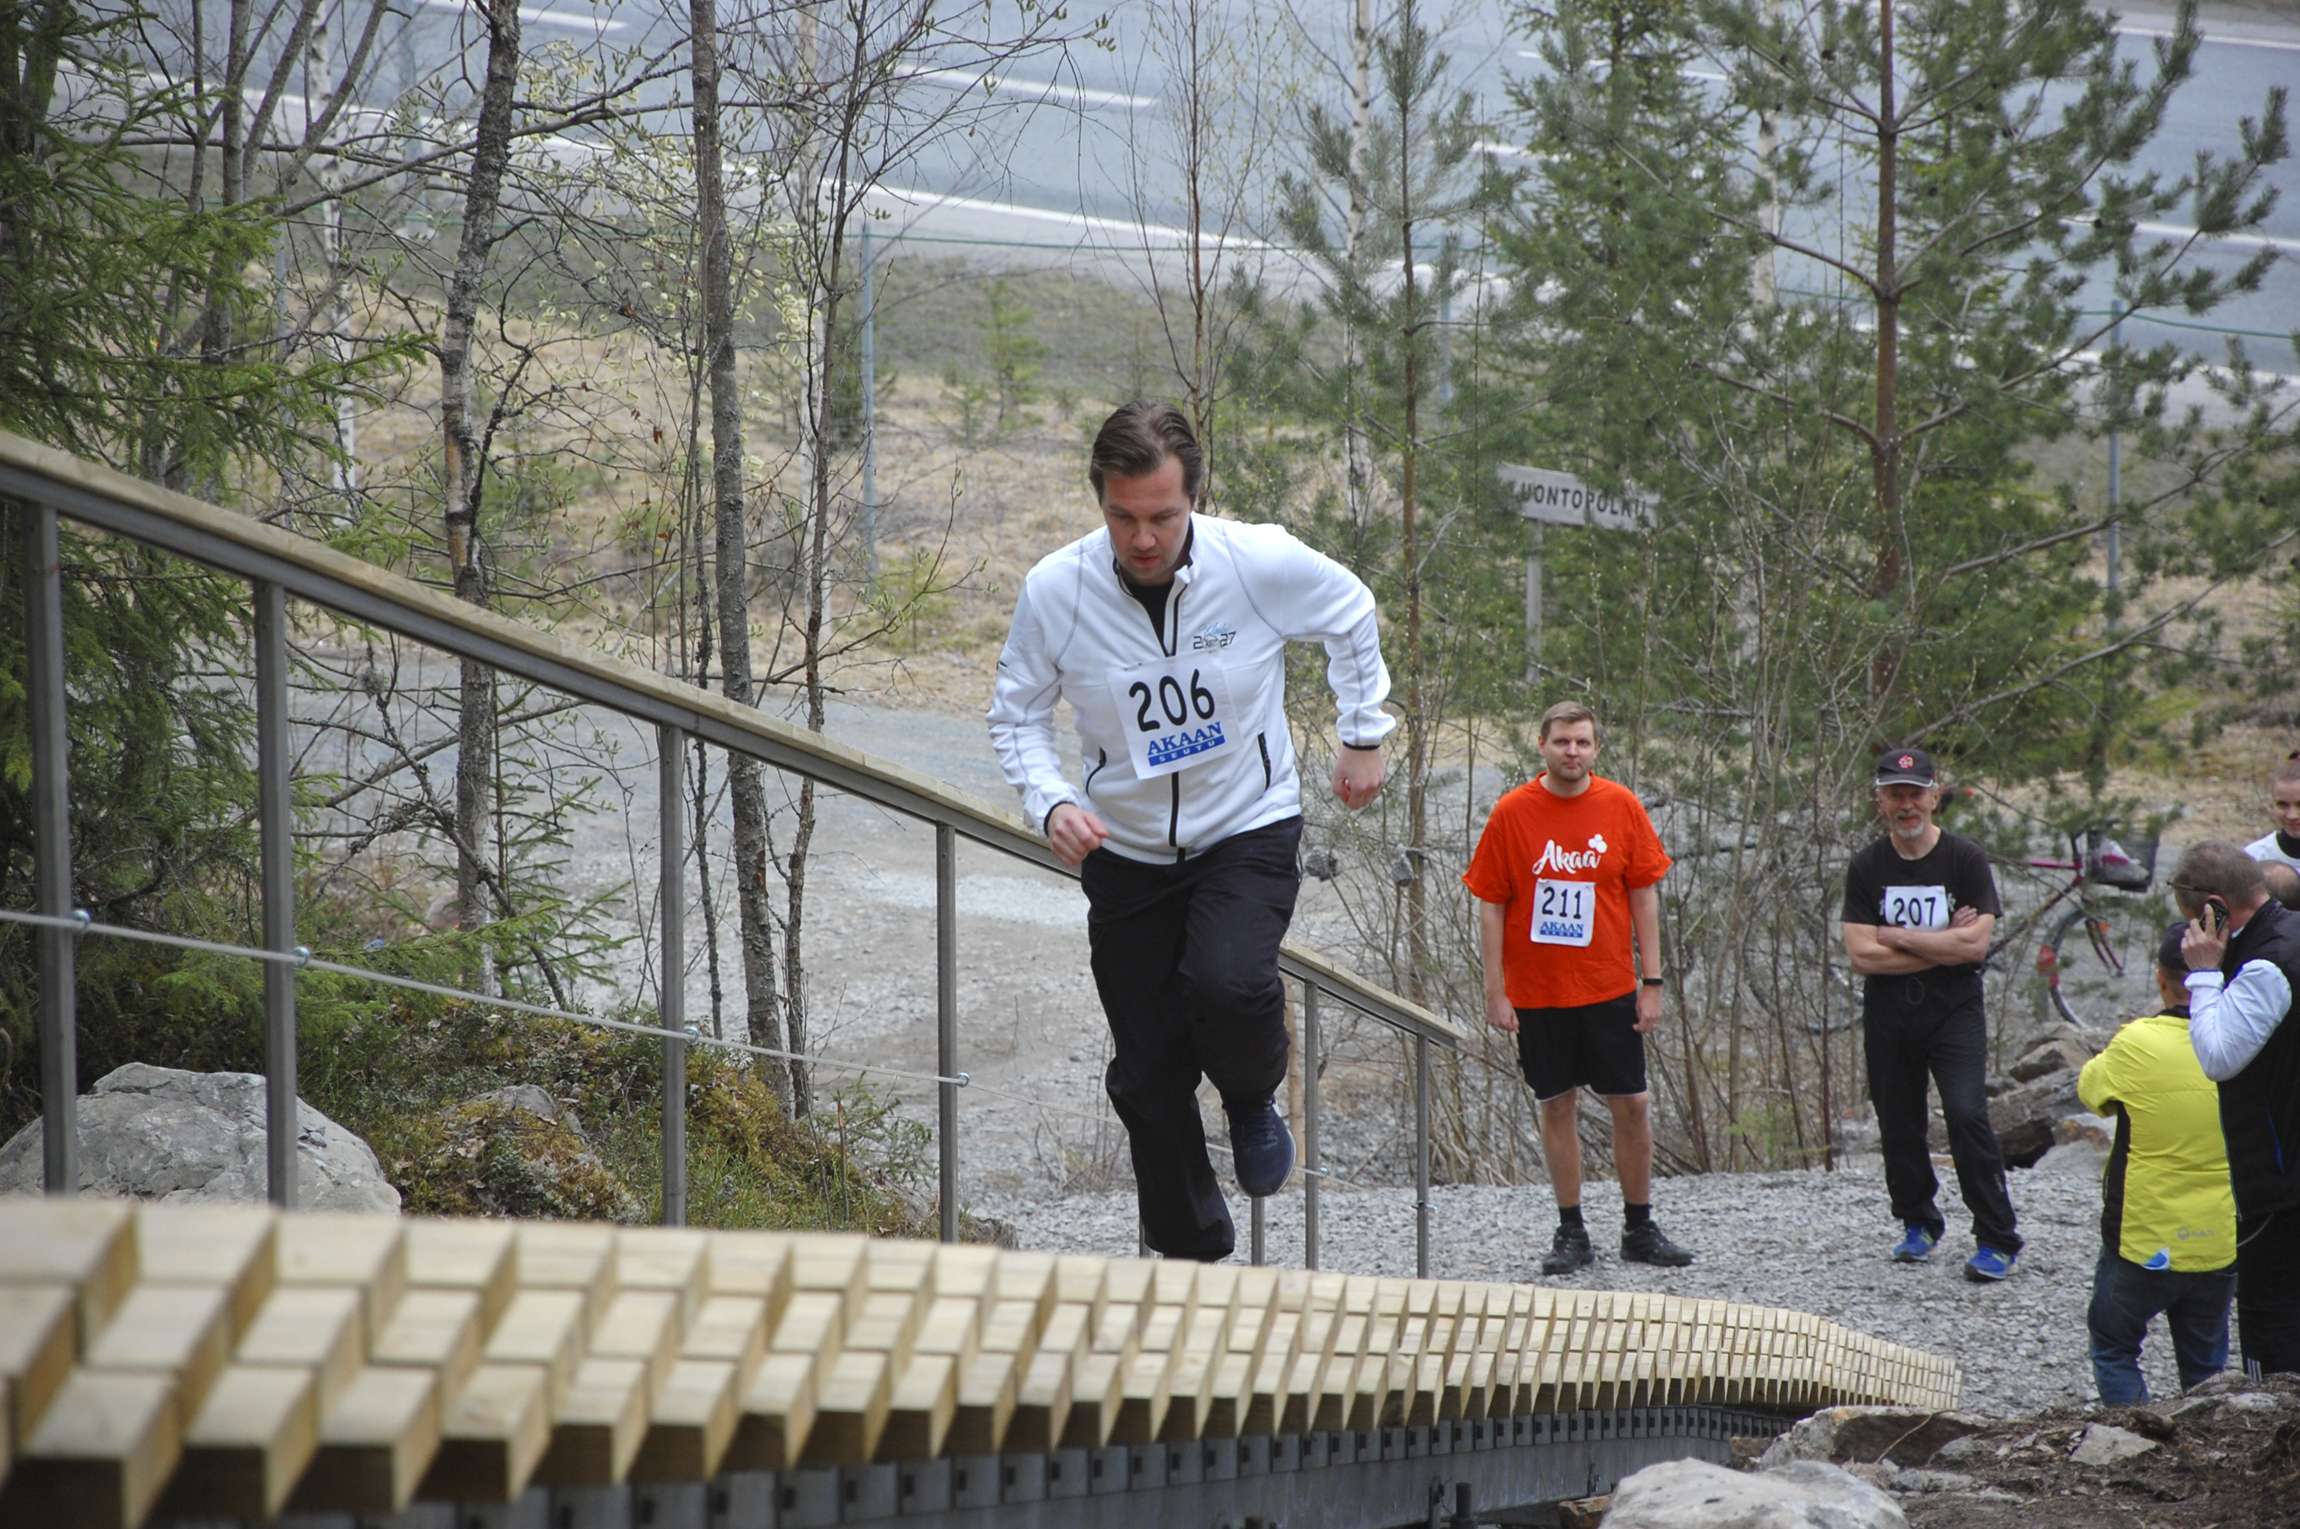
[{"x": 1594, "y": 1046}]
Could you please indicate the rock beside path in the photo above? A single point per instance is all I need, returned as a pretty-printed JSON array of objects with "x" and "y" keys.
[
  {"x": 1900, "y": 1436},
  {"x": 1804, "y": 1494},
  {"x": 2227, "y": 1454},
  {"x": 515, "y": 1151},
  {"x": 191, "y": 1138}
]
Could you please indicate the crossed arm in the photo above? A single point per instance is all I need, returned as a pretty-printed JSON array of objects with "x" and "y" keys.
[{"x": 1883, "y": 950}]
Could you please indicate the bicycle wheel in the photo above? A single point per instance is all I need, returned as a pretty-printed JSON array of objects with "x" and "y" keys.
[{"x": 2087, "y": 980}]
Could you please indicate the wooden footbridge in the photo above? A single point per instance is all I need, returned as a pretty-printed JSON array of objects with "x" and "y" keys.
[{"x": 169, "y": 1363}]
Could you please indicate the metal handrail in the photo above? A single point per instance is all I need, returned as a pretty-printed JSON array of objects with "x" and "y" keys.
[{"x": 280, "y": 563}]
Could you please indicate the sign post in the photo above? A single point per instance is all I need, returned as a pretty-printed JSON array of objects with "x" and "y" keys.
[{"x": 1560, "y": 499}]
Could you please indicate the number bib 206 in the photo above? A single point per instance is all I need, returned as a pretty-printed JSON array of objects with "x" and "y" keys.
[
  {"x": 1563, "y": 911},
  {"x": 1916, "y": 907},
  {"x": 1174, "y": 712}
]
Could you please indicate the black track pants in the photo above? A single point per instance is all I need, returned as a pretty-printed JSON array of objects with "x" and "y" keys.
[
  {"x": 1186, "y": 960},
  {"x": 2268, "y": 1291},
  {"x": 1915, "y": 1026}
]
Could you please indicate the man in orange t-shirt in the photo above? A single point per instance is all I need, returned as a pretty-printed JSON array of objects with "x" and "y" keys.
[{"x": 1567, "y": 875}]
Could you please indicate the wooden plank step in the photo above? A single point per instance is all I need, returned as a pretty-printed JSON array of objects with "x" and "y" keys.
[
  {"x": 375, "y": 1443},
  {"x": 481, "y": 1257},
  {"x": 693, "y": 1423},
  {"x": 666, "y": 1258},
  {"x": 320, "y": 1328},
  {"x": 87, "y": 1245},
  {"x": 364, "y": 1253},
  {"x": 39, "y": 1338},
  {"x": 601, "y": 1422},
  {"x": 545, "y": 1328},
  {"x": 183, "y": 1331},
  {"x": 434, "y": 1330},
  {"x": 572, "y": 1256},
  {"x": 493, "y": 1434},
  {"x": 101, "y": 1454},
  {"x": 227, "y": 1245},
  {"x": 248, "y": 1445}
]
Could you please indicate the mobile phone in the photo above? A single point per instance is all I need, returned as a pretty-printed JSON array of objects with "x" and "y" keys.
[{"x": 2216, "y": 915}]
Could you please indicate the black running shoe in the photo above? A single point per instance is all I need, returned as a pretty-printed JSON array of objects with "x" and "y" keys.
[
  {"x": 1645, "y": 1245},
  {"x": 1569, "y": 1252},
  {"x": 1262, "y": 1149}
]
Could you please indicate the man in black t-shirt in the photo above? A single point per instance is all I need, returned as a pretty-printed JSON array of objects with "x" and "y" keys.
[{"x": 1920, "y": 905}]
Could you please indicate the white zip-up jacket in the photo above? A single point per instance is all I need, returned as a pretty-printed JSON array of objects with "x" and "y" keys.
[{"x": 1243, "y": 594}]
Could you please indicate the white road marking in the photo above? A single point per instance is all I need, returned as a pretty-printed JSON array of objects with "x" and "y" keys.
[
  {"x": 2252, "y": 241},
  {"x": 927, "y": 201},
  {"x": 2217, "y": 39},
  {"x": 535, "y": 16},
  {"x": 998, "y": 85}
]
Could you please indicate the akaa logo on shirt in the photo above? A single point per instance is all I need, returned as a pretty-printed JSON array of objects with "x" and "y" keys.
[
  {"x": 1555, "y": 859},
  {"x": 1181, "y": 745}
]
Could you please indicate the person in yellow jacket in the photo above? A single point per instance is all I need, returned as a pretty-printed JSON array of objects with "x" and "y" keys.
[{"x": 2167, "y": 1214}]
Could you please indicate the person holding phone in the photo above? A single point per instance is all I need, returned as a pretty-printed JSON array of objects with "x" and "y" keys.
[
  {"x": 1166, "y": 632},
  {"x": 2243, "y": 953},
  {"x": 1920, "y": 905}
]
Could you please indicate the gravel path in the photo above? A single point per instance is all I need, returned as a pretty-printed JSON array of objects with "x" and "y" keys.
[{"x": 1813, "y": 1241}]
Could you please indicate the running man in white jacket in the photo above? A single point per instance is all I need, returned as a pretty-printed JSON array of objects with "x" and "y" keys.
[{"x": 1167, "y": 635}]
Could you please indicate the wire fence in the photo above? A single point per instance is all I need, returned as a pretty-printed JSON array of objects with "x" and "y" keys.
[{"x": 282, "y": 566}]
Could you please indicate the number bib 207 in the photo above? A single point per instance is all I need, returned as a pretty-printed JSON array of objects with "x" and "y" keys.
[
  {"x": 1563, "y": 911},
  {"x": 1916, "y": 907},
  {"x": 1174, "y": 712}
]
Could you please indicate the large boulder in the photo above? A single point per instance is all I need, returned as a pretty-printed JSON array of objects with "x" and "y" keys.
[
  {"x": 1693, "y": 1494},
  {"x": 515, "y": 1151},
  {"x": 2026, "y": 1116},
  {"x": 188, "y": 1138},
  {"x": 2059, "y": 1052}
]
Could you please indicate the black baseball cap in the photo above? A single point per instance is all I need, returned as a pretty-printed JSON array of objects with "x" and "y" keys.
[
  {"x": 2168, "y": 955},
  {"x": 1905, "y": 767}
]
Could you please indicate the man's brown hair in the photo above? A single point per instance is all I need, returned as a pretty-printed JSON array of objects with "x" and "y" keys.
[
  {"x": 1570, "y": 711},
  {"x": 1136, "y": 440},
  {"x": 2216, "y": 869}
]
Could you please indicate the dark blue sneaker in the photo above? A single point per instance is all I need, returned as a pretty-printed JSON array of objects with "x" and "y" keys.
[
  {"x": 1988, "y": 1266},
  {"x": 1916, "y": 1245},
  {"x": 1262, "y": 1149}
]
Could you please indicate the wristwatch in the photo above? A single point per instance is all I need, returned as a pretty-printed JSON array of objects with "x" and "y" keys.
[{"x": 1654, "y": 981}]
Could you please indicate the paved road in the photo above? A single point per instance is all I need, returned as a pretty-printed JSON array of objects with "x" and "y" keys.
[{"x": 1073, "y": 165}]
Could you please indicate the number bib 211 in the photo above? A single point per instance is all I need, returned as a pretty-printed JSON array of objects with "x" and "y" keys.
[
  {"x": 1564, "y": 912},
  {"x": 1175, "y": 712}
]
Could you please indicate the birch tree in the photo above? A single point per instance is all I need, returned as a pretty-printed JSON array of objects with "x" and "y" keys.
[
  {"x": 464, "y": 454},
  {"x": 731, "y": 548}
]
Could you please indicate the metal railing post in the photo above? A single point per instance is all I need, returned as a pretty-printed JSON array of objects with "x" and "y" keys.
[
  {"x": 1310, "y": 1163},
  {"x": 1254, "y": 1254},
  {"x": 274, "y": 810},
  {"x": 671, "y": 793},
  {"x": 1421, "y": 1157},
  {"x": 946, "y": 1017},
  {"x": 52, "y": 851}
]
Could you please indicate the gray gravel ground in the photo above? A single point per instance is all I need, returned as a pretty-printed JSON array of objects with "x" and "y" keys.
[{"x": 1811, "y": 1241}]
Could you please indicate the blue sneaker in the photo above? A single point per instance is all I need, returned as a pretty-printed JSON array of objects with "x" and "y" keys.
[
  {"x": 1987, "y": 1266},
  {"x": 1261, "y": 1148},
  {"x": 1916, "y": 1245}
]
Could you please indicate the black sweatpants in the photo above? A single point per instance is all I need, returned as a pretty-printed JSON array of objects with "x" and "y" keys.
[
  {"x": 1186, "y": 960},
  {"x": 2268, "y": 1291},
  {"x": 1915, "y": 1026}
]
